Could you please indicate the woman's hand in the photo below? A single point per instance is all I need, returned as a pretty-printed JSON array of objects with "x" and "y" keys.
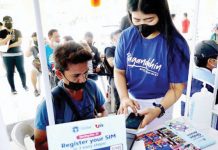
[
  {"x": 127, "y": 102},
  {"x": 149, "y": 115}
]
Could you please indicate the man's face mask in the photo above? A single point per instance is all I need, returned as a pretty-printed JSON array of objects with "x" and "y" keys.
[
  {"x": 76, "y": 86},
  {"x": 8, "y": 25},
  {"x": 147, "y": 30}
]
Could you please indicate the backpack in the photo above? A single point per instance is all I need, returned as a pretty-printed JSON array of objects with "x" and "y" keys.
[{"x": 59, "y": 97}]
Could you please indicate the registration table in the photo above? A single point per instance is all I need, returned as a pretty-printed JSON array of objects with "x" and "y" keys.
[{"x": 208, "y": 132}]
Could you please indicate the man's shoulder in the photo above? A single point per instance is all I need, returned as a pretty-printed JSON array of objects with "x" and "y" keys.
[
  {"x": 203, "y": 75},
  {"x": 48, "y": 47},
  {"x": 42, "y": 106},
  {"x": 91, "y": 83},
  {"x": 58, "y": 89}
]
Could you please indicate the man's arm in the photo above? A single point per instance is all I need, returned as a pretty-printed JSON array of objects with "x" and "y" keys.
[{"x": 40, "y": 139}]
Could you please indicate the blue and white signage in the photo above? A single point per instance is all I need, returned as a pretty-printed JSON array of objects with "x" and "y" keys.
[{"x": 107, "y": 133}]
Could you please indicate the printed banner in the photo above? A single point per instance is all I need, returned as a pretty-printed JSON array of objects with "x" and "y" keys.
[{"x": 107, "y": 133}]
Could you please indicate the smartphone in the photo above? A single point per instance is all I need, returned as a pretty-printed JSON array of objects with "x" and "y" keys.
[{"x": 133, "y": 121}]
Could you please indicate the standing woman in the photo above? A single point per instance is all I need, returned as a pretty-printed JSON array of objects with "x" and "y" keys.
[
  {"x": 14, "y": 56},
  {"x": 151, "y": 62}
]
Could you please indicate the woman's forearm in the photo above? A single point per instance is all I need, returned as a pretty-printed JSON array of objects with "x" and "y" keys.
[{"x": 172, "y": 95}]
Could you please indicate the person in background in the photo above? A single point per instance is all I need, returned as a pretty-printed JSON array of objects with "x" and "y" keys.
[
  {"x": 14, "y": 55},
  {"x": 67, "y": 38},
  {"x": 109, "y": 62},
  {"x": 1, "y": 61},
  {"x": 214, "y": 36},
  {"x": 125, "y": 22},
  {"x": 36, "y": 70},
  {"x": 54, "y": 41},
  {"x": 79, "y": 95},
  {"x": 96, "y": 60},
  {"x": 90, "y": 64},
  {"x": 205, "y": 58},
  {"x": 151, "y": 62},
  {"x": 185, "y": 23}
]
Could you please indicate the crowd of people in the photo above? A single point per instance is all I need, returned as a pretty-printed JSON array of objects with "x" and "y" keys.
[{"x": 146, "y": 65}]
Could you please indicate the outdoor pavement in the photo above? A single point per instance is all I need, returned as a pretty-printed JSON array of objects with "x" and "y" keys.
[{"x": 17, "y": 107}]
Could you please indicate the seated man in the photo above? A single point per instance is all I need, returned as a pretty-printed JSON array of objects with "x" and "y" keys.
[
  {"x": 75, "y": 97},
  {"x": 206, "y": 53}
]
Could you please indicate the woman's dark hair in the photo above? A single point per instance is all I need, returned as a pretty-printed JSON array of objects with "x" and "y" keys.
[
  {"x": 70, "y": 53},
  {"x": 166, "y": 26}
]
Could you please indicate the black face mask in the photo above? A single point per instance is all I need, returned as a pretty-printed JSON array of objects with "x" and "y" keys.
[
  {"x": 146, "y": 30},
  {"x": 75, "y": 86},
  {"x": 8, "y": 25}
]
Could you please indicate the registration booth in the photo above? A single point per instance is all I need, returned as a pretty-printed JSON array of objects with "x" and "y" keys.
[{"x": 6, "y": 144}]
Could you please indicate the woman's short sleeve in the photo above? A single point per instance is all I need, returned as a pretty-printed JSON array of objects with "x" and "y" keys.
[
  {"x": 120, "y": 55},
  {"x": 178, "y": 71}
]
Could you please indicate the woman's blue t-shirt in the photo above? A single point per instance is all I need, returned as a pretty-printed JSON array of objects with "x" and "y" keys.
[{"x": 145, "y": 62}]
